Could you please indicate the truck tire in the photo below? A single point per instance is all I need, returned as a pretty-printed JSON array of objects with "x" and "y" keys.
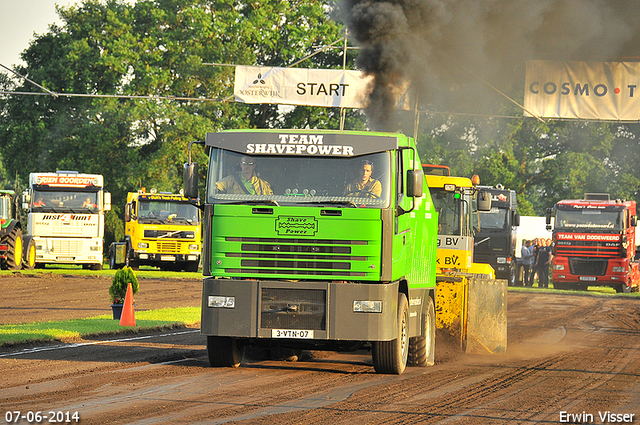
[
  {"x": 191, "y": 267},
  {"x": 391, "y": 356},
  {"x": 422, "y": 348},
  {"x": 14, "y": 254},
  {"x": 224, "y": 351},
  {"x": 29, "y": 254}
]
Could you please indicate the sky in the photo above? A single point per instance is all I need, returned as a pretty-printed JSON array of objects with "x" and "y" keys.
[{"x": 19, "y": 20}]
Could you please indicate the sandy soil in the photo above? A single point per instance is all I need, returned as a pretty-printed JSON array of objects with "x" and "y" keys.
[{"x": 567, "y": 355}]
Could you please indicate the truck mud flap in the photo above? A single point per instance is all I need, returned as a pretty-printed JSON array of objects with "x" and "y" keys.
[
  {"x": 471, "y": 314},
  {"x": 451, "y": 310},
  {"x": 487, "y": 316}
]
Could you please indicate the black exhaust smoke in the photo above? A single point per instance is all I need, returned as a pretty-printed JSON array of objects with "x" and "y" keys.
[{"x": 450, "y": 53}]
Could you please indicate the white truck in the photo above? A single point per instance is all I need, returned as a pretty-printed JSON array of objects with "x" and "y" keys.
[{"x": 66, "y": 215}]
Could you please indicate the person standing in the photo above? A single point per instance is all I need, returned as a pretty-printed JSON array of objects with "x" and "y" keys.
[
  {"x": 544, "y": 262},
  {"x": 527, "y": 263}
]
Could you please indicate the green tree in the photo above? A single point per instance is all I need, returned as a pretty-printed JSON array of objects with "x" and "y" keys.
[{"x": 159, "y": 48}]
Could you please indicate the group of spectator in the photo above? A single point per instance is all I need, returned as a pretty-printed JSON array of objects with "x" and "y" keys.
[{"x": 536, "y": 260}]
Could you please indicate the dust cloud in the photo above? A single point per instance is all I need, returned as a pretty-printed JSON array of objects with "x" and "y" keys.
[{"x": 450, "y": 52}]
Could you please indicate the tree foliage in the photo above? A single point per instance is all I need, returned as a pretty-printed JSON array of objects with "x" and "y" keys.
[{"x": 162, "y": 49}]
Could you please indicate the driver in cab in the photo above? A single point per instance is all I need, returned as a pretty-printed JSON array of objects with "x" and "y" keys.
[
  {"x": 364, "y": 186},
  {"x": 247, "y": 181}
]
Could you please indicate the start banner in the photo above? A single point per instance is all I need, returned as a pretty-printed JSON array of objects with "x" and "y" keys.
[
  {"x": 299, "y": 86},
  {"x": 583, "y": 90}
]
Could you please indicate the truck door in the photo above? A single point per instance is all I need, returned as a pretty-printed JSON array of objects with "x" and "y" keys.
[{"x": 404, "y": 231}]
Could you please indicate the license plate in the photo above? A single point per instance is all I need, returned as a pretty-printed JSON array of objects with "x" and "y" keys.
[
  {"x": 167, "y": 258},
  {"x": 291, "y": 333},
  {"x": 588, "y": 278},
  {"x": 65, "y": 258}
]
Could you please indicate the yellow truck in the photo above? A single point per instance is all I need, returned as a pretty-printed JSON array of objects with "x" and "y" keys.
[
  {"x": 471, "y": 305},
  {"x": 161, "y": 230}
]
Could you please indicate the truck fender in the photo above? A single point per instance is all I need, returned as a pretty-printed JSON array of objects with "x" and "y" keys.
[
  {"x": 28, "y": 252},
  {"x": 12, "y": 226}
]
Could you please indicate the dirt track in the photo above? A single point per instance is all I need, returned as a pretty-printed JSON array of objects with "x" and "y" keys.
[{"x": 567, "y": 353}]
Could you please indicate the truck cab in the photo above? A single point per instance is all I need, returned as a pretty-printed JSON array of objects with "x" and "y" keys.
[
  {"x": 161, "y": 230},
  {"x": 317, "y": 239},
  {"x": 495, "y": 237}
]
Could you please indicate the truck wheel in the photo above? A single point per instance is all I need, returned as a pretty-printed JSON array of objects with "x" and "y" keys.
[
  {"x": 191, "y": 267},
  {"x": 391, "y": 356},
  {"x": 224, "y": 351},
  {"x": 14, "y": 254},
  {"x": 29, "y": 258},
  {"x": 422, "y": 348}
]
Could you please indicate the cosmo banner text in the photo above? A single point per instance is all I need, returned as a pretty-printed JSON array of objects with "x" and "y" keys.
[
  {"x": 297, "y": 86},
  {"x": 583, "y": 90}
]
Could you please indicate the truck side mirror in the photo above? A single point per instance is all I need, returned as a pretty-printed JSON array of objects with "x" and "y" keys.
[
  {"x": 634, "y": 220},
  {"x": 549, "y": 212},
  {"x": 26, "y": 200},
  {"x": 415, "y": 179},
  {"x": 484, "y": 200},
  {"x": 190, "y": 180},
  {"x": 516, "y": 219},
  {"x": 127, "y": 212},
  {"x": 107, "y": 201}
]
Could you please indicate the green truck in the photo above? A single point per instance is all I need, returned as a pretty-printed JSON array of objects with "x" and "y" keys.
[{"x": 318, "y": 240}]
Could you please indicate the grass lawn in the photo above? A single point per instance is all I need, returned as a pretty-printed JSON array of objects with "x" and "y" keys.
[{"x": 73, "y": 329}]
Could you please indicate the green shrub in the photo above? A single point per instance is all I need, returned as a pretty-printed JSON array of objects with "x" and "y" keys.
[{"x": 121, "y": 280}]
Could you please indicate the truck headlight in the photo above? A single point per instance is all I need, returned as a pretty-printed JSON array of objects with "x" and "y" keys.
[
  {"x": 94, "y": 248},
  {"x": 216, "y": 301},
  {"x": 143, "y": 245},
  {"x": 367, "y": 306},
  {"x": 193, "y": 247},
  {"x": 618, "y": 269},
  {"x": 558, "y": 267},
  {"x": 501, "y": 260}
]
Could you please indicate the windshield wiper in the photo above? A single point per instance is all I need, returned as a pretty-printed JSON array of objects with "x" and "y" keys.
[
  {"x": 260, "y": 202},
  {"x": 334, "y": 201}
]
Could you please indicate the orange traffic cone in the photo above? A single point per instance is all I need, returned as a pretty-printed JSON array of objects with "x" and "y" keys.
[{"x": 128, "y": 317}]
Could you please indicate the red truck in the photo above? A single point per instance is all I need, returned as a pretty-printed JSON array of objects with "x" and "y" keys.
[{"x": 594, "y": 243}]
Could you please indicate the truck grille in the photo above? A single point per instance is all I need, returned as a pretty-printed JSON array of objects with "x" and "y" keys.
[
  {"x": 169, "y": 234},
  {"x": 67, "y": 247},
  {"x": 588, "y": 249},
  {"x": 298, "y": 257},
  {"x": 304, "y": 309},
  {"x": 587, "y": 266},
  {"x": 168, "y": 247}
]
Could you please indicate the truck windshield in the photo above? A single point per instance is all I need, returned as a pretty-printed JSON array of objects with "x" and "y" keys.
[
  {"x": 169, "y": 212},
  {"x": 451, "y": 207},
  {"x": 362, "y": 181},
  {"x": 496, "y": 219},
  {"x": 589, "y": 220},
  {"x": 65, "y": 201}
]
